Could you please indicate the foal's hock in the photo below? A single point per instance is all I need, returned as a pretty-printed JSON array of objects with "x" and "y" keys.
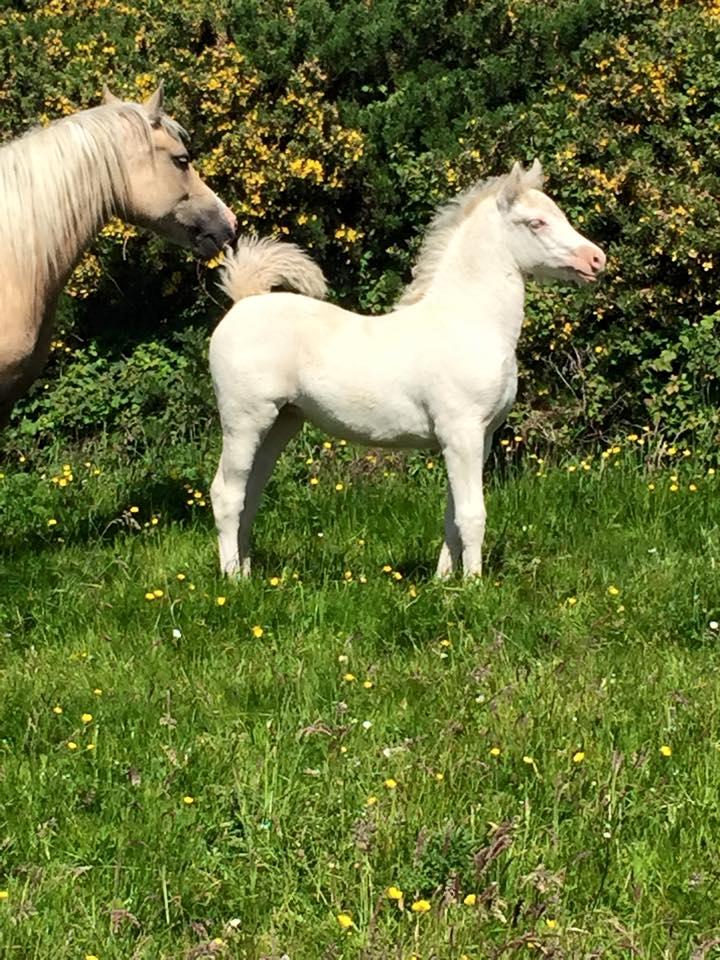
[{"x": 278, "y": 359}]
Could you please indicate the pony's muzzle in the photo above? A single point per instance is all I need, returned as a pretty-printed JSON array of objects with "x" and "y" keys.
[{"x": 209, "y": 238}]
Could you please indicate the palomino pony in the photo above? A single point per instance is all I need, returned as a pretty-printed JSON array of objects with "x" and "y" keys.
[
  {"x": 437, "y": 372},
  {"x": 60, "y": 185}
]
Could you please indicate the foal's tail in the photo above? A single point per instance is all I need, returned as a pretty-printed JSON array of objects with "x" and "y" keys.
[{"x": 258, "y": 264}]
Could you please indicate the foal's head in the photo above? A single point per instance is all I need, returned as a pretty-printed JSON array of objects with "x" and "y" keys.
[
  {"x": 163, "y": 190},
  {"x": 538, "y": 234}
]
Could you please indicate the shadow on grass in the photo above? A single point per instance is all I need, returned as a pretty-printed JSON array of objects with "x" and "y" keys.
[{"x": 161, "y": 498}]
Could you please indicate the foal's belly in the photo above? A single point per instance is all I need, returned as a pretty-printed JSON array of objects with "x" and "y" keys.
[{"x": 374, "y": 421}]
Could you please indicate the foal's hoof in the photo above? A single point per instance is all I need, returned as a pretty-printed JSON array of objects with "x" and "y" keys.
[{"x": 238, "y": 572}]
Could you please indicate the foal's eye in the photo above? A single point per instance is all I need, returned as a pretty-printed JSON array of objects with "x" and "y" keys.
[
  {"x": 536, "y": 224},
  {"x": 182, "y": 162}
]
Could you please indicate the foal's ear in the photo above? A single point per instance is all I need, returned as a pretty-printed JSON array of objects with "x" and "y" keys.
[
  {"x": 534, "y": 176},
  {"x": 154, "y": 103},
  {"x": 511, "y": 188},
  {"x": 109, "y": 99}
]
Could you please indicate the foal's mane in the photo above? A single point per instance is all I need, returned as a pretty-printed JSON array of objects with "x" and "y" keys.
[
  {"x": 446, "y": 220},
  {"x": 58, "y": 183}
]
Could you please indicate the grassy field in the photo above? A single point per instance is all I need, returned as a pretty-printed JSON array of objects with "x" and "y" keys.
[{"x": 344, "y": 758}]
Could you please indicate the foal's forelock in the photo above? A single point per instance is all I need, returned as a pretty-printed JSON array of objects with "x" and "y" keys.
[{"x": 58, "y": 183}]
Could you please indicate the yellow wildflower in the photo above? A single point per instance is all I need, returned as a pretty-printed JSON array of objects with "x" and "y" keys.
[
  {"x": 420, "y": 906},
  {"x": 345, "y": 921}
]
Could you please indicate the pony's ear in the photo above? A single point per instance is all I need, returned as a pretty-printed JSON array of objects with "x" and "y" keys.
[
  {"x": 511, "y": 188},
  {"x": 108, "y": 98},
  {"x": 154, "y": 103}
]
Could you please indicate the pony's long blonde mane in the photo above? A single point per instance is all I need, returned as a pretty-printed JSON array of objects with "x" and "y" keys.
[
  {"x": 59, "y": 183},
  {"x": 446, "y": 220}
]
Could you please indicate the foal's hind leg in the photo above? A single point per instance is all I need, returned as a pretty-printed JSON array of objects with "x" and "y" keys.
[
  {"x": 288, "y": 423},
  {"x": 228, "y": 490}
]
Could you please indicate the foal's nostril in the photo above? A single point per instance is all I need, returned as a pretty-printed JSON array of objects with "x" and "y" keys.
[{"x": 597, "y": 261}]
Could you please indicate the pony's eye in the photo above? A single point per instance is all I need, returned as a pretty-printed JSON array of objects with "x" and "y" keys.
[
  {"x": 182, "y": 162},
  {"x": 536, "y": 224}
]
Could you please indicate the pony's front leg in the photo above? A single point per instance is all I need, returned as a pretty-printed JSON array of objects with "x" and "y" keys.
[
  {"x": 464, "y": 458},
  {"x": 452, "y": 545}
]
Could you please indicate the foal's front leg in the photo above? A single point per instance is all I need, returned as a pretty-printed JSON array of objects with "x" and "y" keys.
[
  {"x": 452, "y": 545},
  {"x": 464, "y": 457}
]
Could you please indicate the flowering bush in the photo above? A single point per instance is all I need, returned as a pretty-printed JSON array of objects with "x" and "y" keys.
[{"x": 343, "y": 124}]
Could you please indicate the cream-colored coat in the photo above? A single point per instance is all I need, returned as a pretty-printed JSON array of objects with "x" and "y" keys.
[{"x": 439, "y": 372}]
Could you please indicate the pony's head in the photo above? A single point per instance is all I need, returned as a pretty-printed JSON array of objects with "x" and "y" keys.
[
  {"x": 163, "y": 191},
  {"x": 538, "y": 233}
]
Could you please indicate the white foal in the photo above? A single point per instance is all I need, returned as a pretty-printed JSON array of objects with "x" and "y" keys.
[{"x": 437, "y": 372}]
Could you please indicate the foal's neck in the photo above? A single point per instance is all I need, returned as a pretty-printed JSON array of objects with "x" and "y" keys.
[{"x": 479, "y": 272}]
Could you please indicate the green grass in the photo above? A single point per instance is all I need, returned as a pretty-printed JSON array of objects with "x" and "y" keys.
[{"x": 608, "y": 855}]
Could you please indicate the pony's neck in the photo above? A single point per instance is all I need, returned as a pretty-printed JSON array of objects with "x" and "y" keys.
[
  {"x": 83, "y": 226},
  {"x": 68, "y": 180},
  {"x": 479, "y": 271}
]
